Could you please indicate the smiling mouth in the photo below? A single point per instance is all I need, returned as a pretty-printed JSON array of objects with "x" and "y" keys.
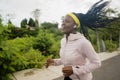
[{"x": 62, "y": 26}]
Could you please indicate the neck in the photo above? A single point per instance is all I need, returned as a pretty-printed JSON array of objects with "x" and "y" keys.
[{"x": 67, "y": 34}]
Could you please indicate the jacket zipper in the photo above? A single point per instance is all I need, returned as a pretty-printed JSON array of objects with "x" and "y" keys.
[{"x": 65, "y": 49}]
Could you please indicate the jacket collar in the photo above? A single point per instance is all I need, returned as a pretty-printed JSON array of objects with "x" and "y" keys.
[{"x": 73, "y": 37}]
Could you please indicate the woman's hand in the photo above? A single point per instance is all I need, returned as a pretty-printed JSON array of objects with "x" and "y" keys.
[
  {"x": 49, "y": 62},
  {"x": 67, "y": 71}
]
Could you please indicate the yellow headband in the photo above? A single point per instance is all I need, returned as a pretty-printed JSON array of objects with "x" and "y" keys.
[{"x": 75, "y": 18}]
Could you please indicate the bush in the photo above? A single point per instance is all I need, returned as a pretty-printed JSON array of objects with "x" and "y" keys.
[
  {"x": 46, "y": 43},
  {"x": 11, "y": 60},
  {"x": 35, "y": 59},
  {"x": 18, "y": 54},
  {"x": 110, "y": 46}
]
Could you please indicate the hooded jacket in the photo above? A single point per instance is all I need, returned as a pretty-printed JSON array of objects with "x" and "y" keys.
[{"x": 77, "y": 51}]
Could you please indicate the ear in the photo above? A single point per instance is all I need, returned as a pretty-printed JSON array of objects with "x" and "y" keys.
[{"x": 75, "y": 26}]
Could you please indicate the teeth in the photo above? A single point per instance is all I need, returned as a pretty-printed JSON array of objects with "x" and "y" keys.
[{"x": 62, "y": 27}]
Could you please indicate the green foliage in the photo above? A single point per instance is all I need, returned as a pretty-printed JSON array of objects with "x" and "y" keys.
[
  {"x": 36, "y": 23},
  {"x": 1, "y": 31},
  {"x": 31, "y": 22},
  {"x": 30, "y": 45},
  {"x": 18, "y": 54},
  {"x": 9, "y": 22},
  {"x": 111, "y": 46},
  {"x": 46, "y": 43},
  {"x": 13, "y": 32},
  {"x": 19, "y": 50},
  {"x": 52, "y": 28},
  {"x": 110, "y": 35},
  {"x": 93, "y": 39},
  {"x": 48, "y": 25},
  {"x": 11, "y": 57},
  {"x": 24, "y": 23},
  {"x": 34, "y": 59}
]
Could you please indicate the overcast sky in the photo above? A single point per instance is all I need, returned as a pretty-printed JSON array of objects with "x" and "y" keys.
[{"x": 51, "y": 10}]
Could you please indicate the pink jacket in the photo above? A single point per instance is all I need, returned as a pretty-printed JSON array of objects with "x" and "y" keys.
[{"x": 78, "y": 53}]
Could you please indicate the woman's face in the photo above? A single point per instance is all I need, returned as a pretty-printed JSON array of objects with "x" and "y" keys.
[{"x": 67, "y": 24}]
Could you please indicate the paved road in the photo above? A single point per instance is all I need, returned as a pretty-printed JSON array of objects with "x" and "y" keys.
[{"x": 110, "y": 70}]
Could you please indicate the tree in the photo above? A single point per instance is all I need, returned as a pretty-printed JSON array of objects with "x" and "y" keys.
[
  {"x": 36, "y": 15},
  {"x": 119, "y": 30},
  {"x": 36, "y": 23},
  {"x": 52, "y": 27},
  {"x": 31, "y": 22},
  {"x": 48, "y": 25},
  {"x": 24, "y": 23},
  {"x": 110, "y": 11},
  {"x": 1, "y": 31},
  {"x": 9, "y": 22},
  {"x": 9, "y": 16}
]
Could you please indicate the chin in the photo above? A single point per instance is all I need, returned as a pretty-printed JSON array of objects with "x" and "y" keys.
[{"x": 65, "y": 32}]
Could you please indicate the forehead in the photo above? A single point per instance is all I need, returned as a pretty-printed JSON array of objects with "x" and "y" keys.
[{"x": 67, "y": 17}]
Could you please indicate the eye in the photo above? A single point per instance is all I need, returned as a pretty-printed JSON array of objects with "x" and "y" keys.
[{"x": 67, "y": 21}]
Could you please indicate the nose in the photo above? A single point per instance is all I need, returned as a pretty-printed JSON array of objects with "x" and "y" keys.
[{"x": 63, "y": 23}]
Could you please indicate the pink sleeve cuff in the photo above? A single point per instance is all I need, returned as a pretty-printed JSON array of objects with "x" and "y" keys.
[{"x": 57, "y": 62}]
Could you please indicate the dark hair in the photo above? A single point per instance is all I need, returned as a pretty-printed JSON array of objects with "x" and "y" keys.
[{"x": 94, "y": 18}]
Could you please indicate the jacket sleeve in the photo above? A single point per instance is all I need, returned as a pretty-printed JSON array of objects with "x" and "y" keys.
[
  {"x": 57, "y": 62},
  {"x": 89, "y": 53}
]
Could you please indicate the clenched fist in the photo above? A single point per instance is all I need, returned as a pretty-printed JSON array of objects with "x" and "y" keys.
[
  {"x": 49, "y": 62},
  {"x": 67, "y": 71}
]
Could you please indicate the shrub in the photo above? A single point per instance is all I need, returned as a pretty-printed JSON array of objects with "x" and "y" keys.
[
  {"x": 35, "y": 59},
  {"x": 18, "y": 54},
  {"x": 46, "y": 43},
  {"x": 110, "y": 46}
]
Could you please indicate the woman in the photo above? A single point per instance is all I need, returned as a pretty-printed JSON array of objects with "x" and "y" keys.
[{"x": 76, "y": 53}]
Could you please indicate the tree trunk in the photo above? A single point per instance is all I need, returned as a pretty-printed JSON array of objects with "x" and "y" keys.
[
  {"x": 119, "y": 38},
  {"x": 110, "y": 36},
  {"x": 103, "y": 47},
  {"x": 98, "y": 43}
]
